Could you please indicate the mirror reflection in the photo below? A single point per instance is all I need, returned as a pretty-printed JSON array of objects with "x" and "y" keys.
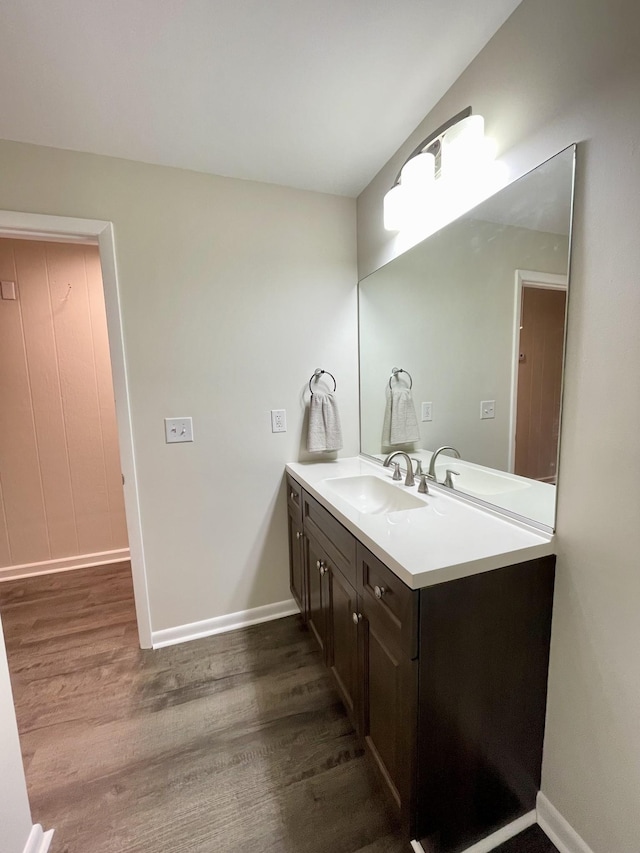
[{"x": 462, "y": 342}]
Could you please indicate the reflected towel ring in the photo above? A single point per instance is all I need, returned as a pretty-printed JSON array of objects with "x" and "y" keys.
[
  {"x": 317, "y": 373},
  {"x": 394, "y": 373}
]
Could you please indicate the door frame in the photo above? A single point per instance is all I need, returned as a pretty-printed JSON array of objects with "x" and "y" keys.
[
  {"x": 528, "y": 278},
  {"x": 68, "y": 229}
]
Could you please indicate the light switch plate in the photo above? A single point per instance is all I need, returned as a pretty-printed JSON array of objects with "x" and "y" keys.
[
  {"x": 487, "y": 409},
  {"x": 178, "y": 430},
  {"x": 427, "y": 411},
  {"x": 8, "y": 289}
]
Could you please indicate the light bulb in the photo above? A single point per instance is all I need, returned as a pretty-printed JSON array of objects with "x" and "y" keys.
[
  {"x": 418, "y": 174},
  {"x": 463, "y": 148},
  {"x": 394, "y": 209}
]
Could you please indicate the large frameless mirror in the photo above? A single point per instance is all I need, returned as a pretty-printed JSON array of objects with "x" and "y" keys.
[{"x": 462, "y": 344}]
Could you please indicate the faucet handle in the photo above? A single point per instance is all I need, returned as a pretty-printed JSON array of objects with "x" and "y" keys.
[
  {"x": 418, "y": 471},
  {"x": 396, "y": 471},
  {"x": 423, "y": 488},
  {"x": 448, "y": 480}
]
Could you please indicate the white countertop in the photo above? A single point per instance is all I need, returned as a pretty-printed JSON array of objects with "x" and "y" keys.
[
  {"x": 531, "y": 499},
  {"x": 447, "y": 539}
]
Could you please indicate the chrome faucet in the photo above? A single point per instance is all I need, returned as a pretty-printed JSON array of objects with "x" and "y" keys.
[
  {"x": 409, "y": 479},
  {"x": 432, "y": 464},
  {"x": 448, "y": 480}
]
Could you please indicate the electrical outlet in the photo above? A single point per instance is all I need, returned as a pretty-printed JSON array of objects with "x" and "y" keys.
[
  {"x": 178, "y": 429},
  {"x": 487, "y": 409},
  {"x": 278, "y": 420},
  {"x": 427, "y": 411}
]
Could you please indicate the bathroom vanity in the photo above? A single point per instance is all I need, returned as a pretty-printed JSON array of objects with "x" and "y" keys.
[
  {"x": 433, "y": 611},
  {"x": 434, "y": 617}
]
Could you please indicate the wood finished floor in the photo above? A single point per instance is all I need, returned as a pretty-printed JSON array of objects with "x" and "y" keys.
[{"x": 231, "y": 743}]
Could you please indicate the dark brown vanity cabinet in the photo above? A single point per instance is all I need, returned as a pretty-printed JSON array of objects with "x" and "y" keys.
[
  {"x": 296, "y": 545},
  {"x": 483, "y": 662},
  {"x": 446, "y": 685},
  {"x": 332, "y": 606},
  {"x": 389, "y": 676},
  {"x": 365, "y": 622},
  {"x": 343, "y": 628},
  {"x": 318, "y": 593}
]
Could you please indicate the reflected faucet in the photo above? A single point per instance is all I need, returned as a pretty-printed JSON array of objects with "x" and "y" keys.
[
  {"x": 432, "y": 464},
  {"x": 409, "y": 479}
]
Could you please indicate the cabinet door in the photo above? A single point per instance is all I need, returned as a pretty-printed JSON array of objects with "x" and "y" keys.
[
  {"x": 317, "y": 578},
  {"x": 296, "y": 564},
  {"x": 343, "y": 620},
  {"x": 389, "y": 683}
]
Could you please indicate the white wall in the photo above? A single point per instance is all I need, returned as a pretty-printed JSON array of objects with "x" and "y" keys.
[
  {"x": 558, "y": 73},
  {"x": 232, "y": 293},
  {"x": 15, "y": 815}
]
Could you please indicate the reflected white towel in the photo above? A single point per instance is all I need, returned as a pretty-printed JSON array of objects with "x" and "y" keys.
[
  {"x": 400, "y": 422},
  {"x": 325, "y": 432}
]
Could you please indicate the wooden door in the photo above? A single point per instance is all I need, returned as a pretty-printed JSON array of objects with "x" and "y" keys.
[
  {"x": 539, "y": 382},
  {"x": 296, "y": 564},
  {"x": 344, "y": 645},
  {"x": 317, "y": 577}
]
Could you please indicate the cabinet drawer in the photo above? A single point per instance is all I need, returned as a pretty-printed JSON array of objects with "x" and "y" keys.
[
  {"x": 390, "y": 601},
  {"x": 294, "y": 499},
  {"x": 339, "y": 544}
]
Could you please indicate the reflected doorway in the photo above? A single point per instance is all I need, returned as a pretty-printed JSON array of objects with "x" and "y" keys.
[{"x": 542, "y": 316}]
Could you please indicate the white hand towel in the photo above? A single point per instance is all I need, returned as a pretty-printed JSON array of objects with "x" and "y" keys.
[
  {"x": 400, "y": 422},
  {"x": 325, "y": 432}
]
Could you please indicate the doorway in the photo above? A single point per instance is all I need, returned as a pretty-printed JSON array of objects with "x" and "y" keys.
[
  {"x": 539, "y": 328},
  {"x": 64, "y": 230},
  {"x": 61, "y": 499}
]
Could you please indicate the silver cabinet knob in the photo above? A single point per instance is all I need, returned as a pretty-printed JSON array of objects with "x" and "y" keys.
[
  {"x": 379, "y": 591},
  {"x": 323, "y": 570},
  {"x": 357, "y": 617},
  {"x": 298, "y": 534},
  {"x": 318, "y": 564}
]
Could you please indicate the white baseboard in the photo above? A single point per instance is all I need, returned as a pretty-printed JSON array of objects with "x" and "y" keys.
[
  {"x": 557, "y": 829},
  {"x": 222, "y": 624},
  {"x": 496, "y": 838},
  {"x": 38, "y": 840},
  {"x": 64, "y": 564}
]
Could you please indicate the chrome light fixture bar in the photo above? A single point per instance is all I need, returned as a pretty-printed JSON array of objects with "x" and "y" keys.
[{"x": 450, "y": 171}]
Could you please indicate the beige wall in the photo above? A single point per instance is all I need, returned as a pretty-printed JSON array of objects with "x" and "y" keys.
[
  {"x": 232, "y": 293},
  {"x": 558, "y": 73},
  {"x": 61, "y": 488}
]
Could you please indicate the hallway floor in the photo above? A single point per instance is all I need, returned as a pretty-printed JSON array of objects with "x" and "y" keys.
[{"x": 229, "y": 743}]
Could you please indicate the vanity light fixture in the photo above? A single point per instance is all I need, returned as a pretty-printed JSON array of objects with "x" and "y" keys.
[{"x": 450, "y": 172}]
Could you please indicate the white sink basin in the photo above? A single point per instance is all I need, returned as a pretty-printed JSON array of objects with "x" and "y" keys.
[
  {"x": 371, "y": 495},
  {"x": 479, "y": 481}
]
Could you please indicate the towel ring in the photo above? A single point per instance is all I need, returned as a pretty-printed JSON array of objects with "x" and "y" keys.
[
  {"x": 394, "y": 373},
  {"x": 317, "y": 373}
]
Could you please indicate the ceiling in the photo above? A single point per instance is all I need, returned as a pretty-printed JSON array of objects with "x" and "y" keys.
[{"x": 303, "y": 93}]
